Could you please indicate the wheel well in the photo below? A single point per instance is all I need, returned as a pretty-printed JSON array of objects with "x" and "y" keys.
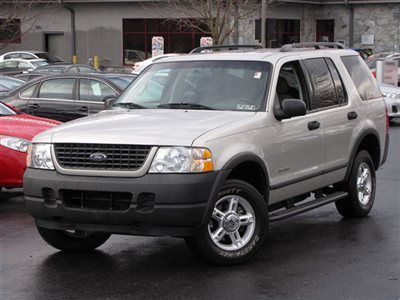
[
  {"x": 370, "y": 143},
  {"x": 252, "y": 173}
]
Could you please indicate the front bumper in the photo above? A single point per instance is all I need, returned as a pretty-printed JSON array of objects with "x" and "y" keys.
[{"x": 178, "y": 205}]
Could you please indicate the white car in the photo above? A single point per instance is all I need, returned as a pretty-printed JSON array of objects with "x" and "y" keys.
[
  {"x": 140, "y": 66},
  {"x": 392, "y": 99},
  {"x": 30, "y": 55},
  {"x": 17, "y": 66}
]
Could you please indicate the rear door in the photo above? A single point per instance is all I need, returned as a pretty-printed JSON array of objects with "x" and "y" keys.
[
  {"x": 92, "y": 93},
  {"x": 330, "y": 103},
  {"x": 55, "y": 99}
]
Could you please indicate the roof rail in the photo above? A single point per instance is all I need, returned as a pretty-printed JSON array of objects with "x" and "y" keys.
[
  {"x": 223, "y": 47},
  {"x": 315, "y": 45}
]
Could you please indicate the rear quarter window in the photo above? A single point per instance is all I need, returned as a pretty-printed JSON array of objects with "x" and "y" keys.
[{"x": 362, "y": 77}]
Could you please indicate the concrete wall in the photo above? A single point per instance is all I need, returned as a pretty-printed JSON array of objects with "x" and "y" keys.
[{"x": 99, "y": 26}]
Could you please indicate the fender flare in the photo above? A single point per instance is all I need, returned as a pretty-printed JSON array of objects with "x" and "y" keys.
[{"x": 359, "y": 139}]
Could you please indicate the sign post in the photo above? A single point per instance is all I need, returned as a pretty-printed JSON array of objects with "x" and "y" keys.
[{"x": 157, "y": 46}]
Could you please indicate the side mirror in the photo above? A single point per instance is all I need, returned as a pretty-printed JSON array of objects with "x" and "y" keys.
[
  {"x": 108, "y": 101},
  {"x": 293, "y": 108}
]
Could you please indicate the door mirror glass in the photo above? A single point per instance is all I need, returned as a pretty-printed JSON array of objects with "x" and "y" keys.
[{"x": 293, "y": 108}]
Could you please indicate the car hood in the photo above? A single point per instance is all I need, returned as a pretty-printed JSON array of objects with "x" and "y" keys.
[
  {"x": 142, "y": 127},
  {"x": 24, "y": 126}
]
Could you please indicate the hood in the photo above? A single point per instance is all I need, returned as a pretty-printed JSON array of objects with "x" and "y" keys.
[
  {"x": 143, "y": 127},
  {"x": 24, "y": 126}
]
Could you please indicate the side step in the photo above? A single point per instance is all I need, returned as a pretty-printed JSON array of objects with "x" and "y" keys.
[{"x": 290, "y": 212}]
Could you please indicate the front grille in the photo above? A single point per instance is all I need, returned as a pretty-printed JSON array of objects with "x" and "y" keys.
[
  {"x": 116, "y": 201},
  {"x": 118, "y": 157}
]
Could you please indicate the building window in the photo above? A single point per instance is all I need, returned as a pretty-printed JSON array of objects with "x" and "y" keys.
[
  {"x": 325, "y": 30},
  {"x": 10, "y": 31},
  {"x": 138, "y": 34},
  {"x": 279, "y": 32}
]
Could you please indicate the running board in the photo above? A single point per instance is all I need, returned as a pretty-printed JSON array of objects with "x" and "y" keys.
[{"x": 289, "y": 212}]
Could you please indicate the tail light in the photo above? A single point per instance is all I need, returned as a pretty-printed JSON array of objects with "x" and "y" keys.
[
  {"x": 374, "y": 73},
  {"x": 387, "y": 119}
]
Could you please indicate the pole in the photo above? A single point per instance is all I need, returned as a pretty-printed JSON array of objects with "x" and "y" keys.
[{"x": 263, "y": 22}]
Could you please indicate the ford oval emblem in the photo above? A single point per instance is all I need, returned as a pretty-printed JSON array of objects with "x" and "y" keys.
[{"x": 98, "y": 157}]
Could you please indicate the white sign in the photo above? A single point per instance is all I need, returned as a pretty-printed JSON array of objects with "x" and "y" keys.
[
  {"x": 157, "y": 46},
  {"x": 367, "y": 39},
  {"x": 390, "y": 72},
  {"x": 206, "y": 41}
]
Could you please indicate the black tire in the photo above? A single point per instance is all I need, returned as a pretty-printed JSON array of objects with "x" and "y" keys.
[
  {"x": 77, "y": 241},
  {"x": 352, "y": 207},
  {"x": 202, "y": 244}
]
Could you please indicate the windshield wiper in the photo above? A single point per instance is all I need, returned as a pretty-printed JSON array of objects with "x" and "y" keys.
[
  {"x": 184, "y": 105},
  {"x": 129, "y": 105}
]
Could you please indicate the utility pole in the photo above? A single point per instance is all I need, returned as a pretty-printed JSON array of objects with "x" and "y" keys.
[{"x": 263, "y": 22}]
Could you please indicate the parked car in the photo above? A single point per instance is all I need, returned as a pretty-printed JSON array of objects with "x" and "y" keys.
[
  {"x": 213, "y": 147},
  {"x": 67, "y": 97},
  {"x": 16, "y": 132},
  {"x": 18, "y": 66},
  {"x": 141, "y": 65},
  {"x": 50, "y": 58},
  {"x": 8, "y": 84},
  {"x": 392, "y": 99},
  {"x": 62, "y": 68}
]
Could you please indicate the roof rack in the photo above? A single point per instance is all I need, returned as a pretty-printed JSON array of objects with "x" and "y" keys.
[
  {"x": 315, "y": 45},
  {"x": 223, "y": 47}
]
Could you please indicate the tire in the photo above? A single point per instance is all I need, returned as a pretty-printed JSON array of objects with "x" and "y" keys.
[
  {"x": 76, "y": 241},
  {"x": 361, "y": 199},
  {"x": 234, "y": 242}
]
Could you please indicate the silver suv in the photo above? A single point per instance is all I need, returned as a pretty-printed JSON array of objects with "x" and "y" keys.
[{"x": 211, "y": 147}]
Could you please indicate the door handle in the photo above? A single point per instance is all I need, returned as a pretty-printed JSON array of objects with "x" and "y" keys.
[
  {"x": 313, "y": 125},
  {"x": 34, "y": 106},
  {"x": 82, "y": 109},
  {"x": 352, "y": 115}
]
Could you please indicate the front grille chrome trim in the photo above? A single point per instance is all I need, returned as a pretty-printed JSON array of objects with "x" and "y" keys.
[{"x": 105, "y": 173}]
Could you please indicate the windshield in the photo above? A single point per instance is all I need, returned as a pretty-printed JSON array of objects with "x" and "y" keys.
[
  {"x": 10, "y": 83},
  {"x": 6, "y": 111},
  {"x": 39, "y": 63},
  {"x": 220, "y": 85},
  {"x": 121, "y": 81}
]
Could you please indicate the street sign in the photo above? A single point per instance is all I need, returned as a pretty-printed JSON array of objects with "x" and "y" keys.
[
  {"x": 157, "y": 46},
  {"x": 206, "y": 41},
  {"x": 390, "y": 72}
]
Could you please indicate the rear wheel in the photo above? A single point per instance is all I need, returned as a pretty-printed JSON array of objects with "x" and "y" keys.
[
  {"x": 237, "y": 226},
  {"x": 73, "y": 240},
  {"x": 361, "y": 187}
]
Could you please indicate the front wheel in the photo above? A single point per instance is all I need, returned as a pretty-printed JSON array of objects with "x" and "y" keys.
[
  {"x": 73, "y": 240},
  {"x": 361, "y": 187},
  {"x": 237, "y": 226}
]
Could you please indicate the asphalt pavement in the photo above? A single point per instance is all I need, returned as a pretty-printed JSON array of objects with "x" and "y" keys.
[{"x": 316, "y": 255}]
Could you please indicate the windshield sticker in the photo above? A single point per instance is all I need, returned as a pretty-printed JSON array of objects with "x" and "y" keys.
[
  {"x": 246, "y": 107},
  {"x": 257, "y": 75}
]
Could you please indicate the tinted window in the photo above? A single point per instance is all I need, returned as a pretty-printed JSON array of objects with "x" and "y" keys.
[
  {"x": 340, "y": 90},
  {"x": 57, "y": 89},
  {"x": 324, "y": 89},
  {"x": 27, "y": 56},
  {"x": 93, "y": 90},
  {"x": 362, "y": 77},
  {"x": 28, "y": 92},
  {"x": 289, "y": 83},
  {"x": 9, "y": 65},
  {"x": 24, "y": 65},
  {"x": 73, "y": 70}
]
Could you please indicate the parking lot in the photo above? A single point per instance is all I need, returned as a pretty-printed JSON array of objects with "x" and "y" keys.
[{"x": 317, "y": 255}]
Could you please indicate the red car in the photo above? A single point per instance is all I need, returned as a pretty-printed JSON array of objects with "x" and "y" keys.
[{"x": 16, "y": 131}]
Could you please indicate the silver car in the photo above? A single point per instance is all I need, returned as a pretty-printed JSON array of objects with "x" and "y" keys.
[{"x": 212, "y": 147}]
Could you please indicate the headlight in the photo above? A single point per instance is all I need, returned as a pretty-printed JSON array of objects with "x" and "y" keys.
[
  {"x": 39, "y": 157},
  {"x": 14, "y": 143},
  {"x": 182, "y": 160},
  {"x": 392, "y": 96}
]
